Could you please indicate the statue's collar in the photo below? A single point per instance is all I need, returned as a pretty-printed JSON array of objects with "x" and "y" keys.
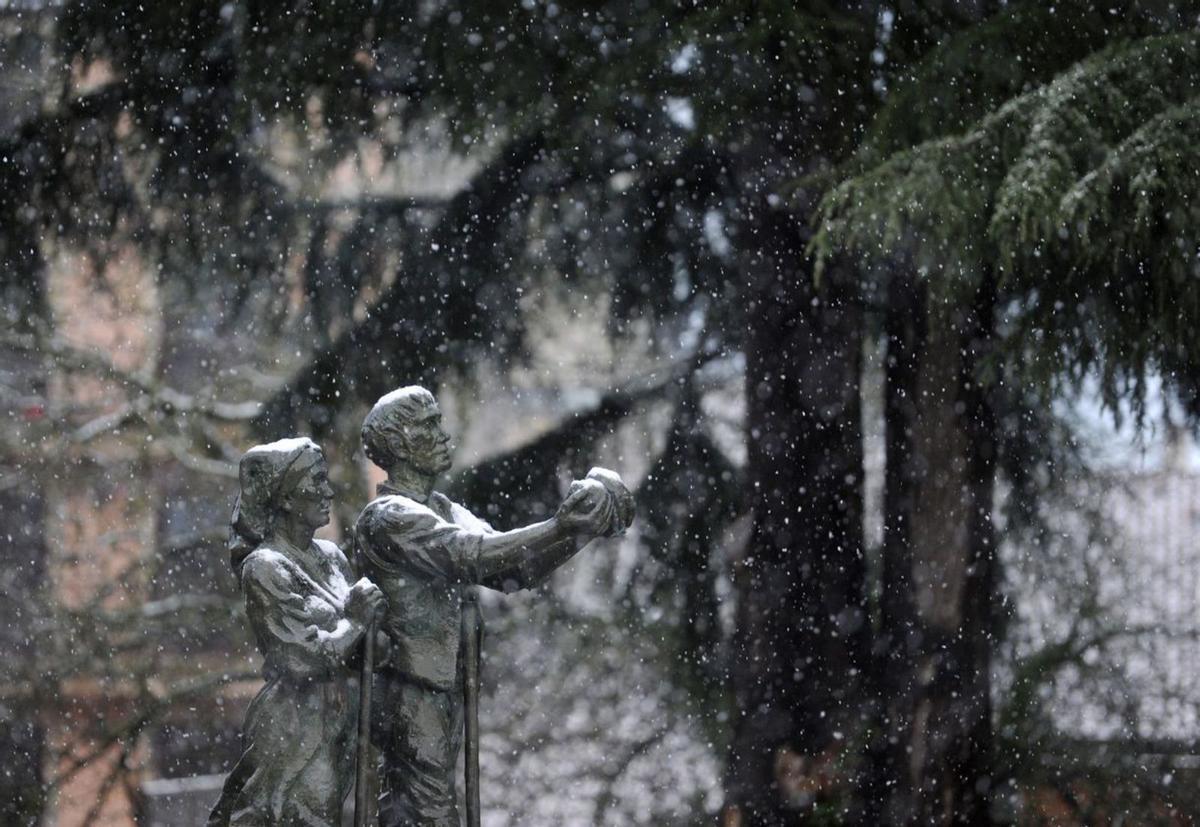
[{"x": 386, "y": 489}]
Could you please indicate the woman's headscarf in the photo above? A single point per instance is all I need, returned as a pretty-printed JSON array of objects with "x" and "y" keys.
[{"x": 267, "y": 474}]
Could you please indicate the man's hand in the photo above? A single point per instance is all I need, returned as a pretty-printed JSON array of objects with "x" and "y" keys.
[
  {"x": 365, "y": 602},
  {"x": 584, "y": 511}
]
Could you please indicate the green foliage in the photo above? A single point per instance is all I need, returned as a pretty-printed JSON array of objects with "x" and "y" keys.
[
  {"x": 202, "y": 132},
  {"x": 1012, "y": 176},
  {"x": 980, "y": 67},
  {"x": 1082, "y": 193}
]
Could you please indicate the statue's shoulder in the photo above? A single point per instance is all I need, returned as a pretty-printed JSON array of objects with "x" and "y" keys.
[
  {"x": 266, "y": 565},
  {"x": 393, "y": 510},
  {"x": 460, "y": 515},
  {"x": 444, "y": 503}
]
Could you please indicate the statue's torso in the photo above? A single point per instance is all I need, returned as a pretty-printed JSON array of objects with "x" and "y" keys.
[
  {"x": 305, "y": 593},
  {"x": 420, "y": 555}
]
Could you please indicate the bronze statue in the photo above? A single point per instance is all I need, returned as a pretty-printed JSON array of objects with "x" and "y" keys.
[
  {"x": 428, "y": 553},
  {"x": 308, "y": 621}
]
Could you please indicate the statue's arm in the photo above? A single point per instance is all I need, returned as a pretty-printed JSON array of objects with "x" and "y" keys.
[
  {"x": 430, "y": 547},
  {"x": 543, "y": 547},
  {"x": 336, "y": 646},
  {"x": 524, "y": 557},
  {"x": 531, "y": 569}
]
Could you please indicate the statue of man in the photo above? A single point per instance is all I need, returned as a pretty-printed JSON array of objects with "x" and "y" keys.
[{"x": 425, "y": 551}]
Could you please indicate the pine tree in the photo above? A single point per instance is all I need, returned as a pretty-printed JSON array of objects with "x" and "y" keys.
[{"x": 1020, "y": 212}]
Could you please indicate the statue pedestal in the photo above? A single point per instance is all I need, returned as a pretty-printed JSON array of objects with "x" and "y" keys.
[{"x": 173, "y": 801}]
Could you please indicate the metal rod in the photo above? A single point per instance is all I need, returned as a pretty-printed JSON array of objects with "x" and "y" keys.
[
  {"x": 471, "y": 631},
  {"x": 362, "y": 775}
]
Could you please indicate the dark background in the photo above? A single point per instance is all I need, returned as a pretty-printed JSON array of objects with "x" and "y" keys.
[{"x": 847, "y": 290}]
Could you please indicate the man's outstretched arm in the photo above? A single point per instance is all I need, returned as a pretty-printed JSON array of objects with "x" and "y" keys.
[
  {"x": 531, "y": 569},
  {"x": 524, "y": 557}
]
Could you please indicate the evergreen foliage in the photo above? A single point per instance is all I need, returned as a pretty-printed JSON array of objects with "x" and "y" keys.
[
  {"x": 667, "y": 158},
  {"x": 1081, "y": 193},
  {"x": 982, "y": 64}
]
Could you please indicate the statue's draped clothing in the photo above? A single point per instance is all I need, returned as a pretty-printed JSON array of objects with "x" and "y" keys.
[
  {"x": 299, "y": 733},
  {"x": 423, "y": 554}
]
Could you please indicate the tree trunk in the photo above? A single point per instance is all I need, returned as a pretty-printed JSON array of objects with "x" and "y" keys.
[
  {"x": 800, "y": 641},
  {"x": 22, "y": 574},
  {"x": 887, "y": 784},
  {"x": 938, "y": 618}
]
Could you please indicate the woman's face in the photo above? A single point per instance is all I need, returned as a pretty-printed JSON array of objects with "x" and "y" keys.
[{"x": 310, "y": 500}]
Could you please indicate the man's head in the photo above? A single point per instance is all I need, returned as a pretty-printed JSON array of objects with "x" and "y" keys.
[{"x": 405, "y": 427}]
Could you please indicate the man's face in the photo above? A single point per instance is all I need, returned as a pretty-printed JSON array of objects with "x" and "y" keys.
[{"x": 428, "y": 446}]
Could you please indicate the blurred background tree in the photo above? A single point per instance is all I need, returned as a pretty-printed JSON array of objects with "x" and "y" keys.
[{"x": 695, "y": 239}]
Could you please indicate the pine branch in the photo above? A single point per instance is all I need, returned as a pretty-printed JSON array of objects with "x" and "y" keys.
[
  {"x": 948, "y": 198},
  {"x": 154, "y": 395},
  {"x": 151, "y": 707},
  {"x": 400, "y": 339},
  {"x": 1082, "y": 194}
]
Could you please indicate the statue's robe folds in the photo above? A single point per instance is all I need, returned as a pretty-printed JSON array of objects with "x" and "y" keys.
[
  {"x": 298, "y": 762},
  {"x": 423, "y": 555}
]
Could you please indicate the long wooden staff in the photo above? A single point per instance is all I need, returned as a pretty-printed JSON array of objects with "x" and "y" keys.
[
  {"x": 362, "y": 778},
  {"x": 471, "y": 632}
]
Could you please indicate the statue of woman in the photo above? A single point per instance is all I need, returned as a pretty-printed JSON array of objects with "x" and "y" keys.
[{"x": 298, "y": 762}]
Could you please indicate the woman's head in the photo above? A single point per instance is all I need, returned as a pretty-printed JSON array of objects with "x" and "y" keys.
[{"x": 281, "y": 481}]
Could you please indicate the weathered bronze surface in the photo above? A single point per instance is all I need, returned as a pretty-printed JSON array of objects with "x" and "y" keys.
[
  {"x": 308, "y": 621},
  {"x": 426, "y": 553}
]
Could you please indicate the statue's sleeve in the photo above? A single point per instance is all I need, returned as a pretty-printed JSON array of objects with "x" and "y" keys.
[
  {"x": 286, "y": 624},
  {"x": 415, "y": 539},
  {"x": 464, "y": 518},
  {"x": 533, "y": 571},
  {"x": 526, "y": 572}
]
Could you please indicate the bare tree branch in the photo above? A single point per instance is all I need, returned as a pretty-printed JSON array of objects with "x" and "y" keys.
[
  {"x": 618, "y": 768},
  {"x": 151, "y": 707}
]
